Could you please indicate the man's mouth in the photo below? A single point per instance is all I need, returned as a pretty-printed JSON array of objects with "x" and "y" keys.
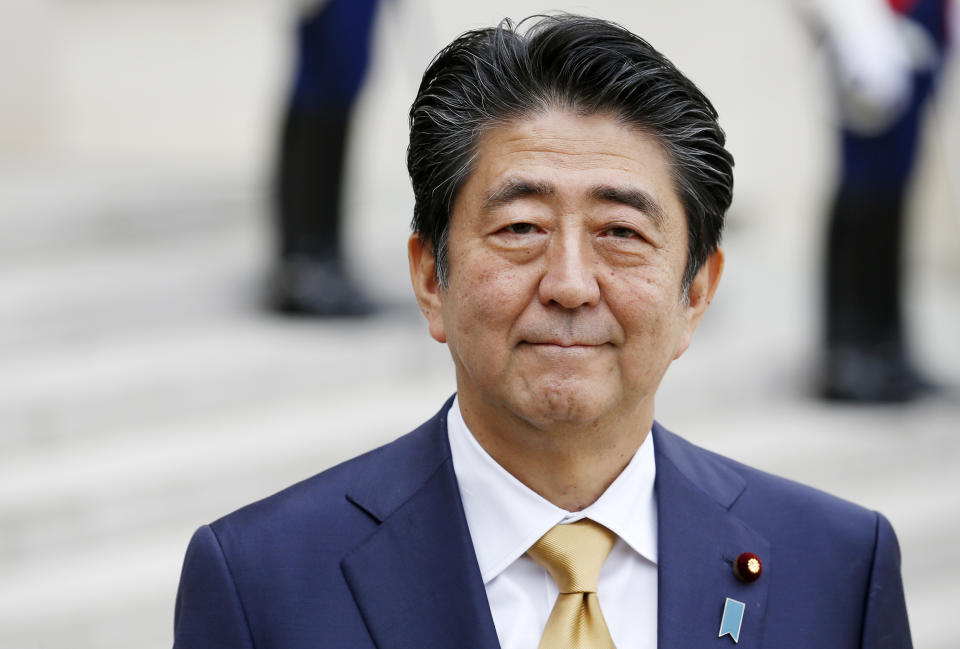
[{"x": 571, "y": 345}]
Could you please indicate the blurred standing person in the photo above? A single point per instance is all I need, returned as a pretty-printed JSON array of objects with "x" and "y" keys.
[
  {"x": 886, "y": 57},
  {"x": 333, "y": 54}
]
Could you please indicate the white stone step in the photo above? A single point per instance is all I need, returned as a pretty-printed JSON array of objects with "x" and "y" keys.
[
  {"x": 95, "y": 293},
  {"x": 51, "y": 209},
  {"x": 128, "y": 507},
  {"x": 250, "y": 418},
  {"x": 90, "y": 389}
]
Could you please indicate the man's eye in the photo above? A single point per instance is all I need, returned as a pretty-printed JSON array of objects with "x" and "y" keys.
[
  {"x": 520, "y": 228},
  {"x": 622, "y": 233}
]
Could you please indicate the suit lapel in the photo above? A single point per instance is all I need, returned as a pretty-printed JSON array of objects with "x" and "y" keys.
[
  {"x": 416, "y": 579},
  {"x": 417, "y": 584},
  {"x": 699, "y": 539}
]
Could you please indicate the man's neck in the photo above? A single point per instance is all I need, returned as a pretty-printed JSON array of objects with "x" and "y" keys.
[{"x": 569, "y": 464}]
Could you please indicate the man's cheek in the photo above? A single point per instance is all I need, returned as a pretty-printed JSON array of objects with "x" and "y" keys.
[{"x": 490, "y": 298}]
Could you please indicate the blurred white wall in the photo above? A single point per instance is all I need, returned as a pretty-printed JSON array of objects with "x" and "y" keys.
[
  {"x": 153, "y": 84},
  {"x": 161, "y": 82}
]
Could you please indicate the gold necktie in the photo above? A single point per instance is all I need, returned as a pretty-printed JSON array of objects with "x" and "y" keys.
[{"x": 573, "y": 555}]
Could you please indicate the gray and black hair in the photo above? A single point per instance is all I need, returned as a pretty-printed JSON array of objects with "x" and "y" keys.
[{"x": 492, "y": 76}]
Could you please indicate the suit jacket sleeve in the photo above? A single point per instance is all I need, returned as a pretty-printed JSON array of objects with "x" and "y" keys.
[
  {"x": 208, "y": 612},
  {"x": 885, "y": 624}
]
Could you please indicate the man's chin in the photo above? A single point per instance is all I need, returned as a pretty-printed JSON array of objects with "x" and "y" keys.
[{"x": 563, "y": 406}]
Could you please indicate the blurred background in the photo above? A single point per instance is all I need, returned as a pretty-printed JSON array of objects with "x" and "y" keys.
[{"x": 145, "y": 389}]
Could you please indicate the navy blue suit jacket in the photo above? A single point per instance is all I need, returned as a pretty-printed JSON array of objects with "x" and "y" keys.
[{"x": 376, "y": 553}]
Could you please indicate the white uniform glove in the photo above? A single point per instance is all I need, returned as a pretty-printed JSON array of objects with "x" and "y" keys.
[{"x": 872, "y": 59}]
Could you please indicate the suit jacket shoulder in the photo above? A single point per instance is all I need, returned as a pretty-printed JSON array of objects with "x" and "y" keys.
[
  {"x": 773, "y": 505},
  {"x": 348, "y": 496},
  {"x": 831, "y": 569},
  {"x": 372, "y": 552}
]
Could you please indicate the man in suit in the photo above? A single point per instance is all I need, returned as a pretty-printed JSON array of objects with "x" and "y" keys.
[{"x": 570, "y": 189}]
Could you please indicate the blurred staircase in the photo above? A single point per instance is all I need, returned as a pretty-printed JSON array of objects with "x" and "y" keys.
[{"x": 143, "y": 392}]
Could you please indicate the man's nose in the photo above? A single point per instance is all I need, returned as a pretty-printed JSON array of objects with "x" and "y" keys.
[{"x": 569, "y": 278}]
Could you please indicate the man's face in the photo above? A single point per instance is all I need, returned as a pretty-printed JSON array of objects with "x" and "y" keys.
[{"x": 567, "y": 246}]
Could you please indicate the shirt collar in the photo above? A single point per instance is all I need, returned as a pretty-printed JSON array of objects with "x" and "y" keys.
[{"x": 505, "y": 517}]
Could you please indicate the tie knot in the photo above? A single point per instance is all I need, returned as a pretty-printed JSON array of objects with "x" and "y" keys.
[{"x": 573, "y": 554}]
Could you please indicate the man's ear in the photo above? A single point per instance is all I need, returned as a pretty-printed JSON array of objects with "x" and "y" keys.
[
  {"x": 700, "y": 294},
  {"x": 426, "y": 286}
]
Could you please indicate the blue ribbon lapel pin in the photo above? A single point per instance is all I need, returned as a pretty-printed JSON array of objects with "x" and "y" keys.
[{"x": 732, "y": 619}]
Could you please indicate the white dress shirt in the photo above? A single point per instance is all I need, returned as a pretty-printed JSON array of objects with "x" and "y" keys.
[{"x": 506, "y": 517}]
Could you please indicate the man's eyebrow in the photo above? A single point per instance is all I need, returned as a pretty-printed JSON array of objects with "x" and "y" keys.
[
  {"x": 515, "y": 188},
  {"x": 632, "y": 197}
]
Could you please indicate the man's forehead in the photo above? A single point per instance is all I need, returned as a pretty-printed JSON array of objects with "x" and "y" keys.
[{"x": 597, "y": 155}]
